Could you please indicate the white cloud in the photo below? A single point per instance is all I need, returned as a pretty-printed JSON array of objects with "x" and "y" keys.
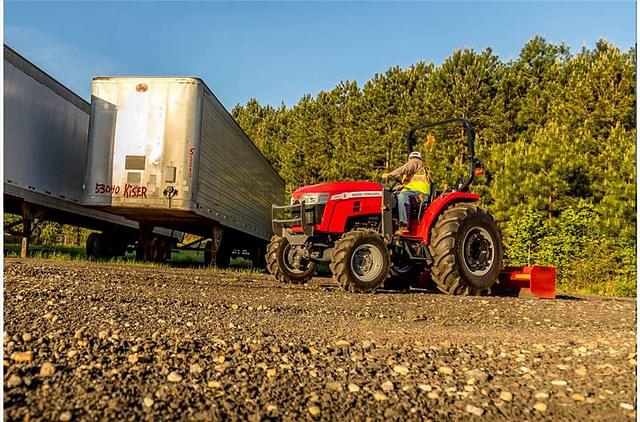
[{"x": 72, "y": 66}]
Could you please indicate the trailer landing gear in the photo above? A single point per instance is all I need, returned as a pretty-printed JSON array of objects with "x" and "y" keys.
[{"x": 30, "y": 213}]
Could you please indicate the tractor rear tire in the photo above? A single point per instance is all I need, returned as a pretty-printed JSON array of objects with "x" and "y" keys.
[
  {"x": 360, "y": 261},
  {"x": 466, "y": 247},
  {"x": 279, "y": 266}
]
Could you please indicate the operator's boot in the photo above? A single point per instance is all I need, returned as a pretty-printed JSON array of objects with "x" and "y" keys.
[{"x": 402, "y": 230}]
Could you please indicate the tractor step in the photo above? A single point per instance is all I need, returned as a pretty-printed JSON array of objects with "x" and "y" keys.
[{"x": 529, "y": 282}]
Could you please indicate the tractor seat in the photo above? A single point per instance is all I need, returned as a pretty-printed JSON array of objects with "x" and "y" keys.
[{"x": 427, "y": 199}]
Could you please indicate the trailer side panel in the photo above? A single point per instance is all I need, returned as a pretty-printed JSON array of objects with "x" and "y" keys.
[
  {"x": 236, "y": 182},
  {"x": 45, "y": 131}
]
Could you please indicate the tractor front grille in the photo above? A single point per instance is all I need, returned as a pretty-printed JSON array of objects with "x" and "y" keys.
[{"x": 296, "y": 215}]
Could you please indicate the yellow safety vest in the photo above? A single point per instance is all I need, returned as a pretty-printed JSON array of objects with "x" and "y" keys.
[{"x": 419, "y": 182}]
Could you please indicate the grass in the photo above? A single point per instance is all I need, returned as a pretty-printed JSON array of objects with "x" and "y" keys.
[{"x": 179, "y": 258}]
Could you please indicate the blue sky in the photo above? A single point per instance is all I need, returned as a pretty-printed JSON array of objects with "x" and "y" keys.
[{"x": 276, "y": 51}]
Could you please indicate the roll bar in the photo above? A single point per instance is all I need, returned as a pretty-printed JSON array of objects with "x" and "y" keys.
[{"x": 470, "y": 144}]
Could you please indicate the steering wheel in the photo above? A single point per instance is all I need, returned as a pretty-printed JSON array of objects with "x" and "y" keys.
[{"x": 390, "y": 182}]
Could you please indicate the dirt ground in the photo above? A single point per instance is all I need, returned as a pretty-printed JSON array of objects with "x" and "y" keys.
[{"x": 87, "y": 341}]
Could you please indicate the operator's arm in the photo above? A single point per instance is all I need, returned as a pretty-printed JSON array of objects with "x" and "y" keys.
[
  {"x": 402, "y": 170},
  {"x": 409, "y": 169}
]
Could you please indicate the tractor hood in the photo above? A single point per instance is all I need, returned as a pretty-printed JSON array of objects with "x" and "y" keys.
[{"x": 335, "y": 188}]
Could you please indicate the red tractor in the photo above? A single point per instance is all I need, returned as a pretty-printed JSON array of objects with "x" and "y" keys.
[{"x": 352, "y": 226}]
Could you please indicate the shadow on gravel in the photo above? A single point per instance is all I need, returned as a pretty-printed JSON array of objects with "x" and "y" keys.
[{"x": 559, "y": 296}]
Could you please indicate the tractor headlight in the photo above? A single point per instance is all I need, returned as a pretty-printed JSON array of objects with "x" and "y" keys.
[{"x": 314, "y": 198}]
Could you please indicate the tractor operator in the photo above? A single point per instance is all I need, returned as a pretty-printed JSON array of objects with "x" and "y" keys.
[{"x": 415, "y": 182}]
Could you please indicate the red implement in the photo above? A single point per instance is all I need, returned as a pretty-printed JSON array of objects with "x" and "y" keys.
[{"x": 530, "y": 281}]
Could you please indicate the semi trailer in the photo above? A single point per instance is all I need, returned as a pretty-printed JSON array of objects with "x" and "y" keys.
[
  {"x": 45, "y": 145},
  {"x": 164, "y": 151}
]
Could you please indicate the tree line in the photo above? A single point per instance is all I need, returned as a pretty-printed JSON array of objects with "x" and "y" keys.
[{"x": 556, "y": 131}]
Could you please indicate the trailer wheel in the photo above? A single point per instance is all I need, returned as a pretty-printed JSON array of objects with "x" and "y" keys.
[
  {"x": 223, "y": 254},
  {"x": 101, "y": 247},
  {"x": 280, "y": 266},
  {"x": 466, "y": 246},
  {"x": 360, "y": 261},
  {"x": 91, "y": 245}
]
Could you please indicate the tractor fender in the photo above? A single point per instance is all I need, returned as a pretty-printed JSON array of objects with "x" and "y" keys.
[{"x": 438, "y": 206}]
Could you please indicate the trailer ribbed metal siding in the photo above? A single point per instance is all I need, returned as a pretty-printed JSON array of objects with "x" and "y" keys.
[
  {"x": 235, "y": 181},
  {"x": 45, "y": 131},
  {"x": 176, "y": 123}
]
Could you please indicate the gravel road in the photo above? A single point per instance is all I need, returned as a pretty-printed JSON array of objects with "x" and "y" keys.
[{"x": 94, "y": 341}]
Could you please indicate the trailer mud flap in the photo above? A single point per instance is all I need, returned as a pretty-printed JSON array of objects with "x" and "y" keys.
[{"x": 529, "y": 282}]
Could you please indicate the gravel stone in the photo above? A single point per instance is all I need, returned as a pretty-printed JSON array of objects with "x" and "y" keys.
[
  {"x": 353, "y": 388},
  {"x": 578, "y": 397},
  {"x": 378, "y": 396},
  {"x": 214, "y": 384},
  {"x": 314, "y": 410},
  {"x": 195, "y": 369},
  {"x": 506, "y": 396},
  {"x": 174, "y": 377},
  {"x": 334, "y": 386},
  {"x": 445, "y": 370},
  {"x": 477, "y": 411},
  {"x": 22, "y": 356},
  {"x": 477, "y": 375},
  {"x": 47, "y": 369},
  {"x": 14, "y": 381},
  {"x": 402, "y": 370},
  {"x": 540, "y": 406}
]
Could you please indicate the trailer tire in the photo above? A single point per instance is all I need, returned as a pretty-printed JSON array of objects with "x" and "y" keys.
[
  {"x": 360, "y": 261},
  {"x": 91, "y": 245},
  {"x": 466, "y": 246},
  {"x": 101, "y": 247},
  {"x": 223, "y": 255},
  {"x": 279, "y": 267}
]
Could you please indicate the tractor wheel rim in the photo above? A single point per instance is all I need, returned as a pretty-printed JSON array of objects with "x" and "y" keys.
[
  {"x": 479, "y": 251},
  {"x": 287, "y": 256},
  {"x": 367, "y": 263}
]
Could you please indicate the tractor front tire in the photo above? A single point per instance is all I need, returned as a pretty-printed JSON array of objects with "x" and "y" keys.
[
  {"x": 278, "y": 264},
  {"x": 360, "y": 261},
  {"x": 466, "y": 247}
]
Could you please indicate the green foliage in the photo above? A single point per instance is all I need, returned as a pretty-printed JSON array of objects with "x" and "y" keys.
[
  {"x": 586, "y": 259},
  {"x": 524, "y": 235}
]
